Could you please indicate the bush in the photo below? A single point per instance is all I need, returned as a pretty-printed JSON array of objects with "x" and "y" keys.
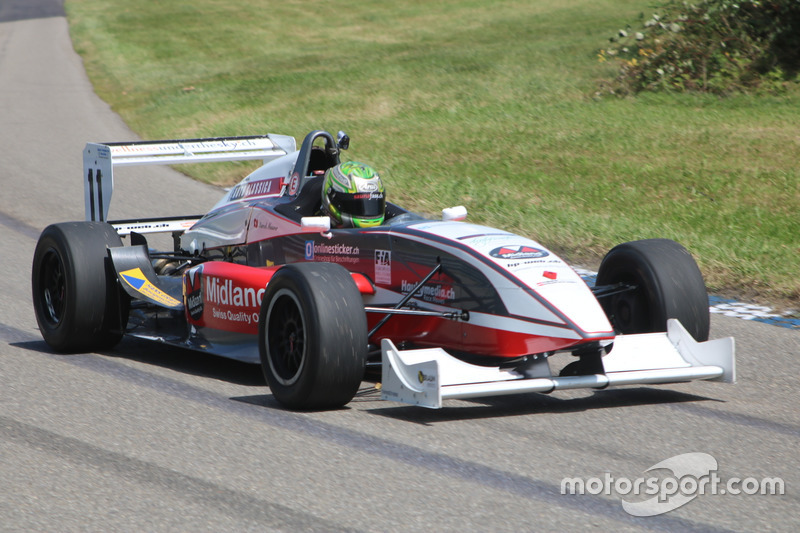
[{"x": 716, "y": 46}]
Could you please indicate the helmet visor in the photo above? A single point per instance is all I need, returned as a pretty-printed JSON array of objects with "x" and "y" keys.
[{"x": 360, "y": 204}]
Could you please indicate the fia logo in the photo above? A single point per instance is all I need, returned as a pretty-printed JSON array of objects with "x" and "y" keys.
[
  {"x": 383, "y": 258},
  {"x": 383, "y": 267}
]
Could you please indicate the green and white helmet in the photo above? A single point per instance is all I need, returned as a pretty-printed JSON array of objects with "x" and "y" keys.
[{"x": 353, "y": 195}]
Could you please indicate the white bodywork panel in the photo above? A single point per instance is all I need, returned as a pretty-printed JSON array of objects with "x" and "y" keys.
[{"x": 556, "y": 283}]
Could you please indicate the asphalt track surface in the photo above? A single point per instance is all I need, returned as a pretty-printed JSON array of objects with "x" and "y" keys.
[{"x": 148, "y": 438}]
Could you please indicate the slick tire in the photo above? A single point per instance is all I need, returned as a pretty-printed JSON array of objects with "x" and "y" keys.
[
  {"x": 668, "y": 285},
  {"x": 312, "y": 336},
  {"x": 78, "y": 304}
]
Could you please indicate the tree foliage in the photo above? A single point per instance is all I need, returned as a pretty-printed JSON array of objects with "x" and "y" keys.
[{"x": 716, "y": 46}]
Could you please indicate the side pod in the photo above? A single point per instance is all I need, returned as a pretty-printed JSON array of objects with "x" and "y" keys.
[{"x": 427, "y": 377}]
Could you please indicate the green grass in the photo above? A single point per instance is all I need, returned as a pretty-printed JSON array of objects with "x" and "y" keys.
[{"x": 486, "y": 104}]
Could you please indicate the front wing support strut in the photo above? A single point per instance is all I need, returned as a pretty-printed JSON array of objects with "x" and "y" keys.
[{"x": 427, "y": 377}]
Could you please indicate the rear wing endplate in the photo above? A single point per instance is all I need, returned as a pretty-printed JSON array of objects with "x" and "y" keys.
[{"x": 99, "y": 160}]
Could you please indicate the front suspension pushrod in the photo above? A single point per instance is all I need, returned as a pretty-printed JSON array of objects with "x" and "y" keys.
[{"x": 406, "y": 298}]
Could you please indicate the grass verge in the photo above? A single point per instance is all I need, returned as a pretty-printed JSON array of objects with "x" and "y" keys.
[{"x": 486, "y": 104}]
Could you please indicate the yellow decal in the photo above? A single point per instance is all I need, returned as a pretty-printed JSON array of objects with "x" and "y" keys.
[{"x": 137, "y": 280}]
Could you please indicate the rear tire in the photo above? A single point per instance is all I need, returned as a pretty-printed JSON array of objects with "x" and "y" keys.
[
  {"x": 669, "y": 285},
  {"x": 312, "y": 336},
  {"x": 77, "y": 302}
]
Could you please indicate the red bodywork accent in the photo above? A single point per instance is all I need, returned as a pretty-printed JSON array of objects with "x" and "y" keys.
[
  {"x": 436, "y": 332},
  {"x": 363, "y": 283},
  {"x": 231, "y": 295}
]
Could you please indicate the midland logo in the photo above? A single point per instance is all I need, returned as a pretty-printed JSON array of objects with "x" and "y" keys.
[
  {"x": 193, "y": 289},
  {"x": 225, "y": 292},
  {"x": 518, "y": 252},
  {"x": 230, "y": 302}
]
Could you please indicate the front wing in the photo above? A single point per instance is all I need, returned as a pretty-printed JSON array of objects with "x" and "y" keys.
[{"x": 427, "y": 377}]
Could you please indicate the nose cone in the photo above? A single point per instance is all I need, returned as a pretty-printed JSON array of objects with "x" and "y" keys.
[
  {"x": 559, "y": 293},
  {"x": 534, "y": 284}
]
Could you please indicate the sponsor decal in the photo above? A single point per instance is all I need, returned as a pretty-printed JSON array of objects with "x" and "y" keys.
[
  {"x": 255, "y": 188},
  {"x": 331, "y": 253},
  {"x": 136, "y": 279},
  {"x": 344, "y": 179},
  {"x": 193, "y": 289},
  {"x": 294, "y": 183},
  {"x": 264, "y": 225},
  {"x": 383, "y": 266},
  {"x": 425, "y": 226},
  {"x": 530, "y": 263},
  {"x": 368, "y": 196},
  {"x": 424, "y": 378},
  {"x": 226, "y": 292},
  {"x": 486, "y": 239},
  {"x": 429, "y": 293},
  {"x": 231, "y": 302},
  {"x": 190, "y": 147},
  {"x": 514, "y": 252},
  {"x": 234, "y": 316},
  {"x": 551, "y": 277}
]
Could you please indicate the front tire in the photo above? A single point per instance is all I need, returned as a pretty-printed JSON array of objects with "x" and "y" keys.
[
  {"x": 312, "y": 336},
  {"x": 78, "y": 305},
  {"x": 668, "y": 285}
]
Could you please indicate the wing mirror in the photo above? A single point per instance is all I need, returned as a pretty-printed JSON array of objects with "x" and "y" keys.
[
  {"x": 342, "y": 140},
  {"x": 456, "y": 213},
  {"x": 317, "y": 224}
]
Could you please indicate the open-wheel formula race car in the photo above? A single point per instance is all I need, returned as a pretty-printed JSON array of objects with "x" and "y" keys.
[{"x": 448, "y": 309}]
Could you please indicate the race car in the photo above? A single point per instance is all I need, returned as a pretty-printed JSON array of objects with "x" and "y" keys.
[{"x": 445, "y": 308}]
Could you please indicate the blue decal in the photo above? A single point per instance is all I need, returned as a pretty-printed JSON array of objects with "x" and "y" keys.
[{"x": 135, "y": 282}]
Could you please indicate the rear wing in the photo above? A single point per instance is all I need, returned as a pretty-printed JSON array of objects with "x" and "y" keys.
[{"x": 99, "y": 160}]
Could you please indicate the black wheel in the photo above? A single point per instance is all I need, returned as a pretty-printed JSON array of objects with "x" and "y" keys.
[
  {"x": 75, "y": 295},
  {"x": 312, "y": 336},
  {"x": 668, "y": 285}
]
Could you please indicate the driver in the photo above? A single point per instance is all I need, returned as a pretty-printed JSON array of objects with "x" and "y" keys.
[{"x": 353, "y": 195}]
